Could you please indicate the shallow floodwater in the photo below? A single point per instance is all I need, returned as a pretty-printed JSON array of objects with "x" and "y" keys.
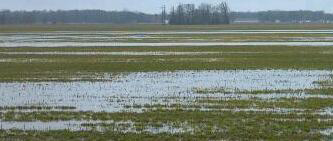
[
  {"x": 141, "y": 88},
  {"x": 124, "y": 44},
  {"x": 158, "y": 38},
  {"x": 160, "y": 53},
  {"x": 83, "y": 125},
  {"x": 120, "y": 92},
  {"x": 50, "y": 125},
  {"x": 139, "y": 34}
]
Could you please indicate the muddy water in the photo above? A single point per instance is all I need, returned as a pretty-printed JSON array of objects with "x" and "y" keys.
[{"x": 153, "y": 88}]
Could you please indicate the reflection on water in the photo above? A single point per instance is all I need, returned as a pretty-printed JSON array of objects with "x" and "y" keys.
[
  {"x": 160, "y": 53},
  {"x": 140, "y": 88},
  {"x": 95, "y": 125},
  {"x": 124, "y": 44},
  {"x": 155, "y": 88},
  {"x": 91, "y": 39}
]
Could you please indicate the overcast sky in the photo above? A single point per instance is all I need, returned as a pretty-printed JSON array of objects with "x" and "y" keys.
[{"x": 153, "y": 6}]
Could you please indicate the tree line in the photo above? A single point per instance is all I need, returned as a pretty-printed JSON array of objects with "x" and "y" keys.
[
  {"x": 181, "y": 14},
  {"x": 285, "y": 16},
  {"x": 186, "y": 14},
  {"x": 75, "y": 16}
]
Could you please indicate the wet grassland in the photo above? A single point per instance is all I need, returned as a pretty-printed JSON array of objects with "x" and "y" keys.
[{"x": 54, "y": 86}]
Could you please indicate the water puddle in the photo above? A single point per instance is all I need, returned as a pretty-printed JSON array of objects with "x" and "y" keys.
[
  {"x": 266, "y": 110},
  {"x": 311, "y": 39},
  {"x": 110, "y": 53},
  {"x": 93, "y": 125},
  {"x": 124, "y": 44},
  {"x": 158, "y": 38},
  {"x": 49, "y": 125},
  {"x": 327, "y": 132},
  {"x": 143, "y": 34},
  {"x": 142, "y": 88}
]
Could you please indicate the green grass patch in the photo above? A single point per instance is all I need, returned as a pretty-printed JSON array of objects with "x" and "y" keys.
[
  {"x": 231, "y": 125},
  {"x": 311, "y": 104},
  {"x": 64, "y": 67}
]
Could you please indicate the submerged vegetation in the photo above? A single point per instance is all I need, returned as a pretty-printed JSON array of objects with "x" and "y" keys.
[
  {"x": 40, "y": 67},
  {"x": 204, "y": 125},
  {"x": 165, "y": 92},
  {"x": 316, "y": 91}
]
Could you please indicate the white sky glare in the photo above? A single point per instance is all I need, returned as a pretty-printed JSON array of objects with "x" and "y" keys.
[{"x": 154, "y": 6}]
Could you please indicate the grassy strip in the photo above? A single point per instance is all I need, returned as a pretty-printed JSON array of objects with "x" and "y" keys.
[
  {"x": 159, "y": 115},
  {"x": 231, "y": 125},
  {"x": 243, "y": 134},
  {"x": 62, "y": 67},
  {"x": 308, "y": 104}
]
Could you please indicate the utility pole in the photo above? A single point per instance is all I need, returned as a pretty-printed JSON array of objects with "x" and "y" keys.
[{"x": 163, "y": 18}]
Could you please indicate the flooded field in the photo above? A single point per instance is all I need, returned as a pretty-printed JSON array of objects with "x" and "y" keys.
[
  {"x": 169, "y": 38},
  {"x": 101, "y": 104},
  {"x": 120, "y": 44},
  {"x": 115, "y": 92},
  {"x": 172, "y": 85}
]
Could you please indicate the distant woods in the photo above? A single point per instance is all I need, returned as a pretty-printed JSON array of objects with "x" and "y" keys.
[
  {"x": 300, "y": 16},
  {"x": 182, "y": 14},
  {"x": 75, "y": 16},
  {"x": 187, "y": 14}
]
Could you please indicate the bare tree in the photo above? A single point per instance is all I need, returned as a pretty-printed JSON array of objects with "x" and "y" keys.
[
  {"x": 203, "y": 14},
  {"x": 224, "y": 9}
]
